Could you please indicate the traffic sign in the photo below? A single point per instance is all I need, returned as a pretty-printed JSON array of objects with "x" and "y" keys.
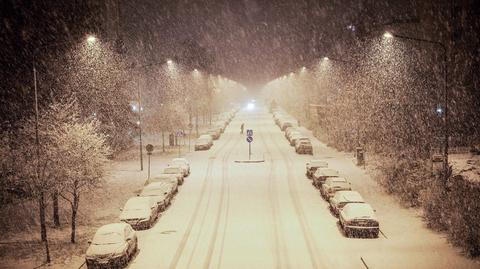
[
  {"x": 149, "y": 148},
  {"x": 249, "y": 132},
  {"x": 249, "y": 139}
]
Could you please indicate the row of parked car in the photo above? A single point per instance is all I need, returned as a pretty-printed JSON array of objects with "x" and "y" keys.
[
  {"x": 114, "y": 245},
  {"x": 205, "y": 141},
  {"x": 354, "y": 214},
  {"x": 302, "y": 143}
]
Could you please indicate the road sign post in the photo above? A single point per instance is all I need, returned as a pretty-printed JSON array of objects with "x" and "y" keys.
[
  {"x": 249, "y": 140},
  {"x": 149, "y": 149}
]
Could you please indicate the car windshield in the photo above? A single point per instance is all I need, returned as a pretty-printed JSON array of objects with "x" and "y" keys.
[
  {"x": 171, "y": 170},
  {"x": 107, "y": 238}
]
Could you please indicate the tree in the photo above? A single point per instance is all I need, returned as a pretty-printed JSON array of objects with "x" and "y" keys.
[{"x": 83, "y": 155}]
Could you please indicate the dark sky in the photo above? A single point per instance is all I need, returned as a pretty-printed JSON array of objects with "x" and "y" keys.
[{"x": 253, "y": 40}]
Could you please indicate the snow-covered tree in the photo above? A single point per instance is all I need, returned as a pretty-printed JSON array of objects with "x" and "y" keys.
[{"x": 82, "y": 158}]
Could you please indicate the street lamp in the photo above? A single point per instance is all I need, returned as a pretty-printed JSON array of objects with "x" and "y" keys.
[
  {"x": 90, "y": 39},
  {"x": 390, "y": 35}
]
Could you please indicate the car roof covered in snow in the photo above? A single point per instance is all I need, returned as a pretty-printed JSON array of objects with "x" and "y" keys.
[
  {"x": 139, "y": 202},
  {"x": 172, "y": 170},
  {"x": 326, "y": 172},
  {"x": 358, "y": 210},
  {"x": 348, "y": 197}
]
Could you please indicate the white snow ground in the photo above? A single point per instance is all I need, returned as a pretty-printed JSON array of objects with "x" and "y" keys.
[{"x": 268, "y": 215}]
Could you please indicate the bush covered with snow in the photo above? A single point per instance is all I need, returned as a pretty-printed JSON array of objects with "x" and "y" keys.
[{"x": 405, "y": 177}]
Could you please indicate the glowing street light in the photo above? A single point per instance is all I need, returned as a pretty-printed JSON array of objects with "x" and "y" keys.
[
  {"x": 325, "y": 58},
  {"x": 388, "y": 35},
  {"x": 91, "y": 39},
  {"x": 169, "y": 62}
]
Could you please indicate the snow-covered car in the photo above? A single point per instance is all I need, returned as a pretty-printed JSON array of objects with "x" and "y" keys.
[
  {"x": 295, "y": 138},
  {"x": 183, "y": 163},
  {"x": 178, "y": 171},
  {"x": 286, "y": 124},
  {"x": 289, "y": 130},
  {"x": 140, "y": 212},
  {"x": 304, "y": 146},
  {"x": 334, "y": 184},
  {"x": 163, "y": 178},
  {"x": 342, "y": 198},
  {"x": 359, "y": 218},
  {"x": 214, "y": 132},
  {"x": 162, "y": 192},
  {"x": 291, "y": 133},
  {"x": 112, "y": 246},
  {"x": 312, "y": 166},
  {"x": 321, "y": 174},
  {"x": 204, "y": 142}
]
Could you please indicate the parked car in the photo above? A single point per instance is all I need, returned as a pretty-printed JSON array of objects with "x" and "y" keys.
[
  {"x": 312, "y": 166},
  {"x": 183, "y": 163},
  {"x": 178, "y": 171},
  {"x": 357, "y": 218},
  {"x": 140, "y": 212},
  {"x": 293, "y": 137},
  {"x": 173, "y": 178},
  {"x": 334, "y": 184},
  {"x": 286, "y": 124},
  {"x": 204, "y": 142},
  {"x": 292, "y": 133},
  {"x": 321, "y": 174},
  {"x": 342, "y": 198},
  {"x": 214, "y": 132},
  {"x": 289, "y": 130},
  {"x": 162, "y": 192},
  {"x": 303, "y": 146},
  {"x": 112, "y": 246}
]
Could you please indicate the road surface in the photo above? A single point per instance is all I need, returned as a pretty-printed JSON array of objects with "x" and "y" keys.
[{"x": 268, "y": 215}]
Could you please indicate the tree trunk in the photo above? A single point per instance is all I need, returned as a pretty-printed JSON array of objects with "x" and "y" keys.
[
  {"x": 56, "y": 215},
  {"x": 74, "y": 216},
  {"x": 43, "y": 226}
]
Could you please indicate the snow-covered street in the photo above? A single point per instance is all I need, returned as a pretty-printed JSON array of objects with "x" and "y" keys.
[{"x": 268, "y": 214}]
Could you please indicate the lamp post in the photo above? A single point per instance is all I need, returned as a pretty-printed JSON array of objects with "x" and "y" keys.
[
  {"x": 90, "y": 39},
  {"x": 446, "y": 96}
]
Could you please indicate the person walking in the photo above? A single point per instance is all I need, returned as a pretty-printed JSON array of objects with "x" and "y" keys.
[{"x": 241, "y": 128}]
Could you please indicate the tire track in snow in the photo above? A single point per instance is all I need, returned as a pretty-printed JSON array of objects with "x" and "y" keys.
[
  {"x": 279, "y": 240},
  {"x": 186, "y": 235},
  {"x": 224, "y": 186},
  {"x": 305, "y": 227}
]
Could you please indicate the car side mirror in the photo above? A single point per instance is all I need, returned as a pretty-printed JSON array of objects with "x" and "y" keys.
[
  {"x": 129, "y": 239},
  {"x": 121, "y": 209},
  {"x": 89, "y": 242},
  {"x": 165, "y": 193}
]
